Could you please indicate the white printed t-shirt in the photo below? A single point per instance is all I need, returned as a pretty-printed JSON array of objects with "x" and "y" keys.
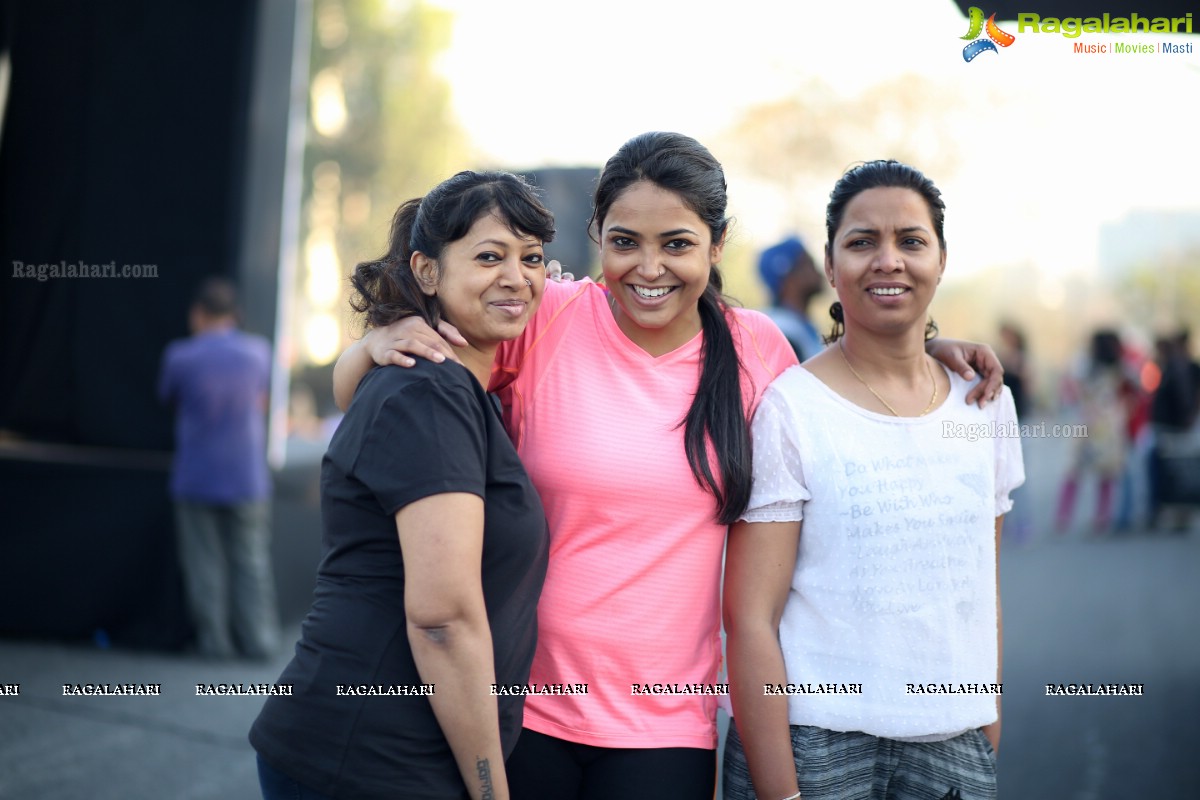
[{"x": 895, "y": 581}]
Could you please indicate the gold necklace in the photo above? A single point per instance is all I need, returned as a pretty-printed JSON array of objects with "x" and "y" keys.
[{"x": 928, "y": 370}]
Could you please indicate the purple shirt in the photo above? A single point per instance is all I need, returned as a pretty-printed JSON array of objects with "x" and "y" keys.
[{"x": 217, "y": 381}]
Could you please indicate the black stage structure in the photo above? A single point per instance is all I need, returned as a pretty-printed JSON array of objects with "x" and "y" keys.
[{"x": 145, "y": 134}]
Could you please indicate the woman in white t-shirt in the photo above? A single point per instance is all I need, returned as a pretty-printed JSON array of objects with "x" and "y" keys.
[{"x": 864, "y": 655}]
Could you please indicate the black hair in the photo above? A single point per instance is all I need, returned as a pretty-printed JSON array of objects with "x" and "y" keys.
[
  {"x": 216, "y": 297},
  {"x": 880, "y": 174},
  {"x": 387, "y": 290},
  {"x": 682, "y": 165}
]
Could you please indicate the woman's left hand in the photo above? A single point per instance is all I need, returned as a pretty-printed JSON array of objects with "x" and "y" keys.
[{"x": 959, "y": 356}]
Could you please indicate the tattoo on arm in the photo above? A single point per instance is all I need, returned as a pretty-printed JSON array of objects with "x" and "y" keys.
[
  {"x": 487, "y": 791},
  {"x": 436, "y": 635}
]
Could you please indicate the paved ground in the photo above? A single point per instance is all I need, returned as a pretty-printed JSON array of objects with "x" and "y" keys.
[
  {"x": 1077, "y": 609},
  {"x": 175, "y": 746},
  {"x": 1115, "y": 609}
]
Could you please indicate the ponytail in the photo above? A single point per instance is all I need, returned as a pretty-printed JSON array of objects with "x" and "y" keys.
[
  {"x": 717, "y": 414},
  {"x": 386, "y": 289}
]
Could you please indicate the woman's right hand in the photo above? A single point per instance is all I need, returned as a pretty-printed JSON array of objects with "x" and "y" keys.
[{"x": 399, "y": 342}]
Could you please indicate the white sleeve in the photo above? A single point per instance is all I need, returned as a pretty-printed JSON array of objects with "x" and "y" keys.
[
  {"x": 1010, "y": 465},
  {"x": 779, "y": 491}
]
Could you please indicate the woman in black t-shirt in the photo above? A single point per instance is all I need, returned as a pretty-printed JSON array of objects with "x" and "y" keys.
[{"x": 434, "y": 541}]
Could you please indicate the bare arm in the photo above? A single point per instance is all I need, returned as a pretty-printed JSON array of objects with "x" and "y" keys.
[
  {"x": 959, "y": 355},
  {"x": 441, "y": 540},
  {"x": 992, "y": 732},
  {"x": 351, "y": 366},
  {"x": 395, "y": 344},
  {"x": 759, "y": 562}
]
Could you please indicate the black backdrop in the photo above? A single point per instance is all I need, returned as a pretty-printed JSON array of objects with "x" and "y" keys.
[{"x": 127, "y": 139}]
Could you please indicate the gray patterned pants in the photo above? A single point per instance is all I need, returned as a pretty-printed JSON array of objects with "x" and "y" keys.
[{"x": 832, "y": 765}]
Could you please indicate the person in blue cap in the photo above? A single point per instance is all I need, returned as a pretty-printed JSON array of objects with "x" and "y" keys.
[{"x": 793, "y": 279}]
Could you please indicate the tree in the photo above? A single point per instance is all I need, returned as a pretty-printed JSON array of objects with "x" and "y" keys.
[
  {"x": 803, "y": 142},
  {"x": 381, "y": 130}
]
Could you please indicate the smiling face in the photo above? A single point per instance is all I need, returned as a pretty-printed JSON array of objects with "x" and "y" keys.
[
  {"x": 656, "y": 255},
  {"x": 488, "y": 283},
  {"x": 885, "y": 261}
]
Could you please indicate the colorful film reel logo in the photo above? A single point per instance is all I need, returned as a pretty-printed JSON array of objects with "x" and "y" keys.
[{"x": 995, "y": 36}]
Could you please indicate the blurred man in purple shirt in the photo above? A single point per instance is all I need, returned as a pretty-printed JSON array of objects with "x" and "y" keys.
[{"x": 217, "y": 381}]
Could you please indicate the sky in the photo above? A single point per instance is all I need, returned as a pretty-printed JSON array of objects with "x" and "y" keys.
[{"x": 1058, "y": 143}]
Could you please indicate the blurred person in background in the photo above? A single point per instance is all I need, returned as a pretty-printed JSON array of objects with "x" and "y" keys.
[
  {"x": 1018, "y": 373},
  {"x": 791, "y": 277},
  {"x": 1018, "y": 377},
  {"x": 1174, "y": 408},
  {"x": 217, "y": 381},
  {"x": 1132, "y": 496},
  {"x": 1104, "y": 391}
]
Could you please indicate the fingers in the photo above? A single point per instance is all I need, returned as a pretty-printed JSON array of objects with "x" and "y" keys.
[
  {"x": 994, "y": 382},
  {"x": 420, "y": 343},
  {"x": 451, "y": 335},
  {"x": 397, "y": 358},
  {"x": 977, "y": 394},
  {"x": 993, "y": 375},
  {"x": 435, "y": 348},
  {"x": 554, "y": 272},
  {"x": 986, "y": 390},
  {"x": 401, "y": 352},
  {"x": 411, "y": 338}
]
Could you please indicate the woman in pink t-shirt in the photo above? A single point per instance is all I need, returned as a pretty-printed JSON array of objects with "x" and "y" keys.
[{"x": 629, "y": 402}]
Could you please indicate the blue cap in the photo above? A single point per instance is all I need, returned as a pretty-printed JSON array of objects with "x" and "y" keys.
[{"x": 777, "y": 261}]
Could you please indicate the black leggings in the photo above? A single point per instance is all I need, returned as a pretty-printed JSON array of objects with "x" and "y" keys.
[{"x": 545, "y": 768}]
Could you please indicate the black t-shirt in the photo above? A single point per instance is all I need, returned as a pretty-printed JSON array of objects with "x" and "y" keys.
[
  {"x": 1175, "y": 401},
  {"x": 408, "y": 434}
]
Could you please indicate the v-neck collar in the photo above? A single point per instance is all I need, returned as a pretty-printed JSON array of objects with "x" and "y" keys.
[{"x": 616, "y": 338}]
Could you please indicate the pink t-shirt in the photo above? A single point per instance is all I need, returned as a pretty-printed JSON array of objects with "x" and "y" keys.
[{"x": 632, "y": 595}]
